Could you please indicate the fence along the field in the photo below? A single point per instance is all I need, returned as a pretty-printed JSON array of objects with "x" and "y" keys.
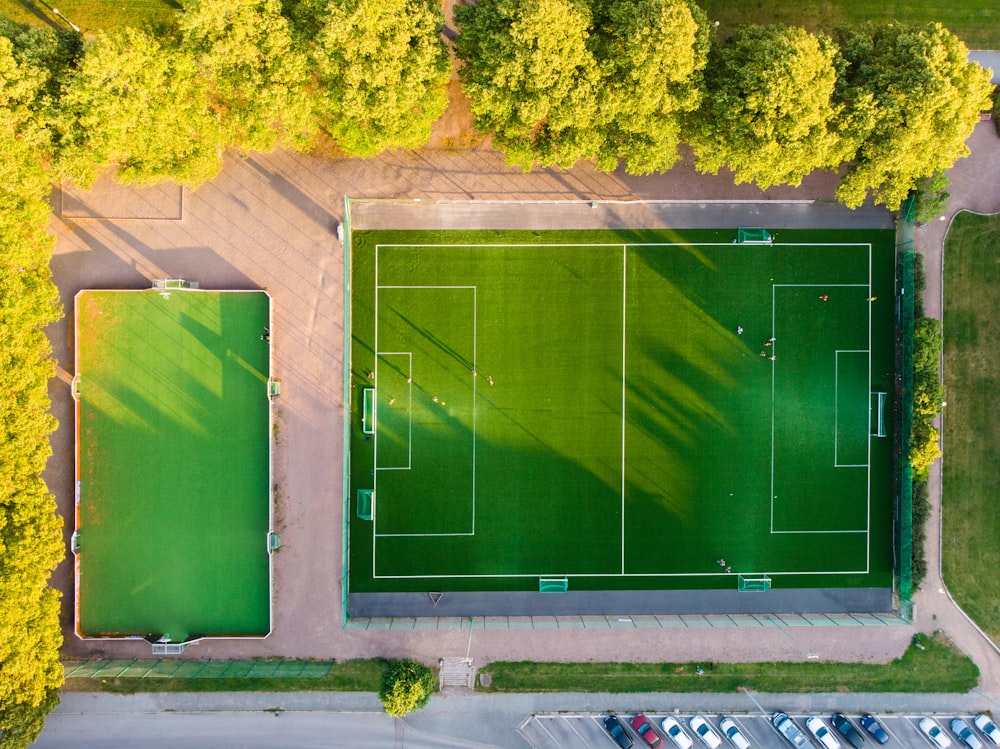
[
  {"x": 187, "y": 669},
  {"x": 904, "y": 397}
]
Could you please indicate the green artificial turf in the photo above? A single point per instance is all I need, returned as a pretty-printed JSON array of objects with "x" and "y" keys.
[
  {"x": 173, "y": 463},
  {"x": 722, "y": 453},
  {"x": 971, "y": 514}
]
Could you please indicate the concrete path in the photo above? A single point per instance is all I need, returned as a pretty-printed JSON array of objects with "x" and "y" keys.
[
  {"x": 974, "y": 186},
  {"x": 988, "y": 59}
]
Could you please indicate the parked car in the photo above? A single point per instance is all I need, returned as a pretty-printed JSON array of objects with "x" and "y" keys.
[
  {"x": 846, "y": 729},
  {"x": 675, "y": 733},
  {"x": 934, "y": 733},
  {"x": 964, "y": 732},
  {"x": 787, "y": 728},
  {"x": 734, "y": 734},
  {"x": 617, "y": 731},
  {"x": 871, "y": 724},
  {"x": 646, "y": 732},
  {"x": 822, "y": 733},
  {"x": 988, "y": 727},
  {"x": 704, "y": 731}
]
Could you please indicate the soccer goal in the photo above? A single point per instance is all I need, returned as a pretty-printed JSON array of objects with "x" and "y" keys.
[
  {"x": 174, "y": 283},
  {"x": 365, "y": 500},
  {"x": 754, "y": 235},
  {"x": 553, "y": 584},
  {"x": 754, "y": 583},
  {"x": 878, "y": 415},
  {"x": 368, "y": 417}
]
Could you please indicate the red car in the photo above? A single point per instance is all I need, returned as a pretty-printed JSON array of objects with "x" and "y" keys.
[{"x": 646, "y": 731}]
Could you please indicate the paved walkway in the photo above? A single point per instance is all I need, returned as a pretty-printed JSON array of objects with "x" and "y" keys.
[
  {"x": 269, "y": 221},
  {"x": 974, "y": 186}
]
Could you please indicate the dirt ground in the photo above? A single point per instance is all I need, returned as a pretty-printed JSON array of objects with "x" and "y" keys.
[{"x": 269, "y": 221}]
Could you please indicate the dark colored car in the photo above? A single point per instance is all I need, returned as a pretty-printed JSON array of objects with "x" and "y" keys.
[
  {"x": 646, "y": 731},
  {"x": 847, "y": 730},
  {"x": 870, "y": 724},
  {"x": 617, "y": 731}
]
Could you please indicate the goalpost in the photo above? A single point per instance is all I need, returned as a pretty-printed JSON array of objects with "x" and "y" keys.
[
  {"x": 754, "y": 235},
  {"x": 878, "y": 415},
  {"x": 756, "y": 583}
]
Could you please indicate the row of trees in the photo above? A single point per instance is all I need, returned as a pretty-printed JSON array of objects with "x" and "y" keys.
[
  {"x": 30, "y": 532},
  {"x": 560, "y": 80},
  {"x": 553, "y": 82}
]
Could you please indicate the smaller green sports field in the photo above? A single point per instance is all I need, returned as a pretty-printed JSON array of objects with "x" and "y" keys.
[
  {"x": 173, "y": 464},
  {"x": 626, "y": 411}
]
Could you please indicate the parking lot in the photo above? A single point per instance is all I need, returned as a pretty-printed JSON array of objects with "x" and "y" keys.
[{"x": 585, "y": 731}]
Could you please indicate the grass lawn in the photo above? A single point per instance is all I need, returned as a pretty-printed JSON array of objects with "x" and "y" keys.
[
  {"x": 939, "y": 667},
  {"x": 92, "y": 15},
  {"x": 977, "y": 22},
  {"x": 358, "y": 675},
  {"x": 523, "y": 379},
  {"x": 971, "y": 555}
]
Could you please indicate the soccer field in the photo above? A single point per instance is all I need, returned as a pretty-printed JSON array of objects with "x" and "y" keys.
[
  {"x": 621, "y": 411},
  {"x": 173, "y": 464}
]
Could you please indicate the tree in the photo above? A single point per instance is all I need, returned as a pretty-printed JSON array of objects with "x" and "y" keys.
[
  {"x": 651, "y": 54},
  {"x": 912, "y": 99},
  {"x": 531, "y": 79},
  {"x": 406, "y": 686},
  {"x": 768, "y": 111},
  {"x": 30, "y": 532},
  {"x": 382, "y": 70},
  {"x": 140, "y": 106},
  {"x": 257, "y": 76}
]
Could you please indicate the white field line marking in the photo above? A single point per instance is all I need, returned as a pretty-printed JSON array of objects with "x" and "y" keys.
[
  {"x": 472, "y": 531},
  {"x": 868, "y": 546},
  {"x": 409, "y": 409},
  {"x": 627, "y": 574},
  {"x": 630, "y": 244},
  {"x": 624, "y": 300},
  {"x": 867, "y": 530},
  {"x": 836, "y": 407}
]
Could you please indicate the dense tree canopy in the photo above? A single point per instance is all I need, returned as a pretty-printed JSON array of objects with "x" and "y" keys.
[
  {"x": 30, "y": 532},
  {"x": 651, "y": 54},
  {"x": 532, "y": 80},
  {"x": 912, "y": 100},
  {"x": 768, "y": 112},
  {"x": 406, "y": 686},
  {"x": 382, "y": 70},
  {"x": 258, "y": 77},
  {"x": 140, "y": 106}
]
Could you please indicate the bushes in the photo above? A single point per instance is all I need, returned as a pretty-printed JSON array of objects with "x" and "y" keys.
[{"x": 406, "y": 686}]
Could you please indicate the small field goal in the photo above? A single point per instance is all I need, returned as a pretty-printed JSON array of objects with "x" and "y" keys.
[
  {"x": 878, "y": 415},
  {"x": 174, "y": 283},
  {"x": 368, "y": 417},
  {"x": 553, "y": 584},
  {"x": 365, "y": 497},
  {"x": 753, "y": 583},
  {"x": 754, "y": 235}
]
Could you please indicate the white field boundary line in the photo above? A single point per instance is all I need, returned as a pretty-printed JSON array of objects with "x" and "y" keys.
[
  {"x": 836, "y": 406},
  {"x": 472, "y": 531},
  {"x": 624, "y": 307},
  {"x": 866, "y": 530},
  {"x": 622, "y": 574},
  {"x": 409, "y": 410}
]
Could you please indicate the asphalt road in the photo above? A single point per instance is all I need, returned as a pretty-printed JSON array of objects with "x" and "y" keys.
[{"x": 239, "y": 730}]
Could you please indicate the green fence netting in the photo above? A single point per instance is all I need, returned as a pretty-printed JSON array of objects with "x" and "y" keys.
[
  {"x": 906, "y": 297},
  {"x": 162, "y": 668}
]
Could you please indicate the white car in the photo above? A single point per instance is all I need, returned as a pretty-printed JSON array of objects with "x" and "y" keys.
[
  {"x": 968, "y": 737},
  {"x": 704, "y": 732},
  {"x": 988, "y": 727},
  {"x": 933, "y": 731},
  {"x": 734, "y": 734},
  {"x": 818, "y": 729},
  {"x": 675, "y": 733}
]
